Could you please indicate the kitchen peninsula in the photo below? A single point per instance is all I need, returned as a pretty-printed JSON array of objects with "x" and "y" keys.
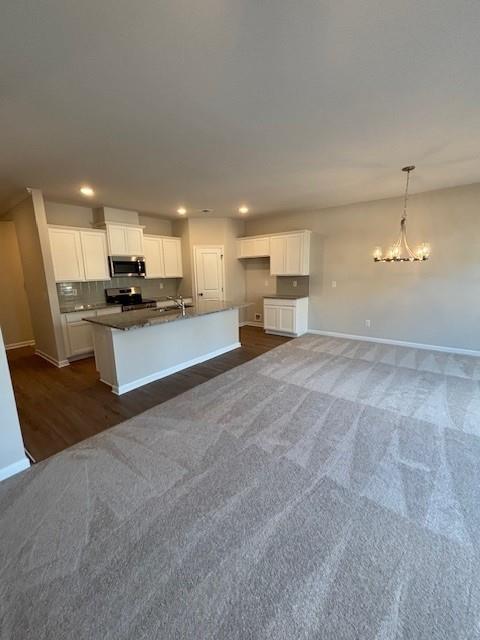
[{"x": 134, "y": 348}]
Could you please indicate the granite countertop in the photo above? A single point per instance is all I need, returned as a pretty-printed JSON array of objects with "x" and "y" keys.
[
  {"x": 278, "y": 296},
  {"x": 85, "y": 306},
  {"x": 148, "y": 317},
  {"x": 70, "y": 307}
]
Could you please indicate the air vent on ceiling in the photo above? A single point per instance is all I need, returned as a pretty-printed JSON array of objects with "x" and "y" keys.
[{"x": 206, "y": 210}]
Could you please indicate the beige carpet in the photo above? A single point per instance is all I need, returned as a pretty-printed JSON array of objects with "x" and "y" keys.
[{"x": 328, "y": 489}]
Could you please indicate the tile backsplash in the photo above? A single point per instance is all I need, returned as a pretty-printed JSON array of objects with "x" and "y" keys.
[{"x": 91, "y": 292}]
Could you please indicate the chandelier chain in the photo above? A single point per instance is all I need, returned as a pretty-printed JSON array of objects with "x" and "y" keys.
[{"x": 405, "y": 199}]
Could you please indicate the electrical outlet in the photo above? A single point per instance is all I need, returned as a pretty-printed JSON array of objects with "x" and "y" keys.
[
  {"x": 266, "y": 283},
  {"x": 161, "y": 285},
  {"x": 294, "y": 283},
  {"x": 334, "y": 284},
  {"x": 74, "y": 292},
  {"x": 258, "y": 316},
  {"x": 367, "y": 323}
]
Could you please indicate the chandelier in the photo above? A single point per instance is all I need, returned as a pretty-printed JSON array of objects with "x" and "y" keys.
[{"x": 400, "y": 250}]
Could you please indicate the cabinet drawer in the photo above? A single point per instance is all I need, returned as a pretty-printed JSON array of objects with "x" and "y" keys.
[
  {"x": 107, "y": 311},
  {"x": 77, "y": 316},
  {"x": 280, "y": 302}
]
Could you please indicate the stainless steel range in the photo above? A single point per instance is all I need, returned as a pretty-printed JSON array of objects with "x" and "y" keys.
[{"x": 130, "y": 298}]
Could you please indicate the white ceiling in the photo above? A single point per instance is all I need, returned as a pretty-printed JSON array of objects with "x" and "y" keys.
[{"x": 275, "y": 103}]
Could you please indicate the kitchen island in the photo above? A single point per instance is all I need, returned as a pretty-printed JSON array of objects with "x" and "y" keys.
[{"x": 134, "y": 348}]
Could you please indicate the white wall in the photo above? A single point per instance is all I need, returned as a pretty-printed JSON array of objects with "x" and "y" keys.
[
  {"x": 72, "y": 215},
  {"x": 12, "y": 455},
  {"x": 31, "y": 230},
  {"x": 213, "y": 231},
  {"x": 15, "y": 318},
  {"x": 436, "y": 302}
]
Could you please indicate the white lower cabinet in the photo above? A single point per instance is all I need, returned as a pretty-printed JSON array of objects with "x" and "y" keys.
[
  {"x": 285, "y": 317},
  {"x": 77, "y": 334}
]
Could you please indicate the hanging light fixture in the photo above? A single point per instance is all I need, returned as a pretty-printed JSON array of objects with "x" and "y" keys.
[{"x": 400, "y": 250}]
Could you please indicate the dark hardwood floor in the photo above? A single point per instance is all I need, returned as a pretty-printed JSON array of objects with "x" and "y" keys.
[{"x": 60, "y": 407}]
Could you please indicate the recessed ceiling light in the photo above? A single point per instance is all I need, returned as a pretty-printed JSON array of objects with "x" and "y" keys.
[
  {"x": 206, "y": 210},
  {"x": 87, "y": 191},
  {"x": 243, "y": 209},
  {"x": 182, "y": 211}
]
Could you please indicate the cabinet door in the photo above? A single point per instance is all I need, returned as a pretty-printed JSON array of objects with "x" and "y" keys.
[
  {"x": 94, "y": 249},
  {"x": 172, "y": 257},
  {"x": 294, "y": 255},
  {"x": 277, "y": 256},
  {"x": 117, "y": 241},
  {"x": 247, "y": 248},
  {"x": 286, "y": 319},
  {"x": 66, "y": 255},
  {"x": 152, "y": 250},
  {"x": 262, "y": 247},
  {"x": 80, "y": 338},
  {"x": 270, "y": 317},
  {"x": 134, "y": 241}
]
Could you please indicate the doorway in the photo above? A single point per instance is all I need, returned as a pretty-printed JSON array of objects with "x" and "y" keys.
[{"x": 209, "y": 273}]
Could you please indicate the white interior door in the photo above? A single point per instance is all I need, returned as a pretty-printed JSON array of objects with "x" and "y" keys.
[{"x": 209, "y": 275}]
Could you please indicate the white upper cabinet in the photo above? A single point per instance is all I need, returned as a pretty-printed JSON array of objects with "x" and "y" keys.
[
  {"x": 78, "y": 254},
  {"x": 134, "y": 236},
  {"x": 163, "y": 257},
  {"x": 289, "y": 252},
  {"x": 67, "y": 257},
  {"x": 124, "y": 240},
  {"x": 153, "y": 252},
  {"x": 172, "y": 257},
  {"x": 277, "y": 255},
  {"x": 95, "y": 259},
  {"x": 253, "y": 247}
]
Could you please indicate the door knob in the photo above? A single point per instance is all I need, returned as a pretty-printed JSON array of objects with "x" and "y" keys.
[{"x": 200, "y": 294}]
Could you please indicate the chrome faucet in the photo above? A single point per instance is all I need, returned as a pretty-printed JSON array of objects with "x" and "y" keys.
[{"x": 179, "y": 302}]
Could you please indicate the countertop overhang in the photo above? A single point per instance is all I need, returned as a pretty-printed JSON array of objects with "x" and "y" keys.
[{"x": 139, "y": 318}]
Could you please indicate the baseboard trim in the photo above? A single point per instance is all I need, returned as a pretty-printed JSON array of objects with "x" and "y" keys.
[
  {"x": 398, "y": 343},
  {"x": 56, "y": 363},
  {"x": 158, "y": 375},
  {"x": 14, "y": 468},
  {"x": 19, "y": 345},
  {"x": 251, "y": 323}
]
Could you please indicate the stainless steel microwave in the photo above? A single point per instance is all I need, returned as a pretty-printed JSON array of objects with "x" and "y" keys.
[{"x": 133, "y": 266}]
